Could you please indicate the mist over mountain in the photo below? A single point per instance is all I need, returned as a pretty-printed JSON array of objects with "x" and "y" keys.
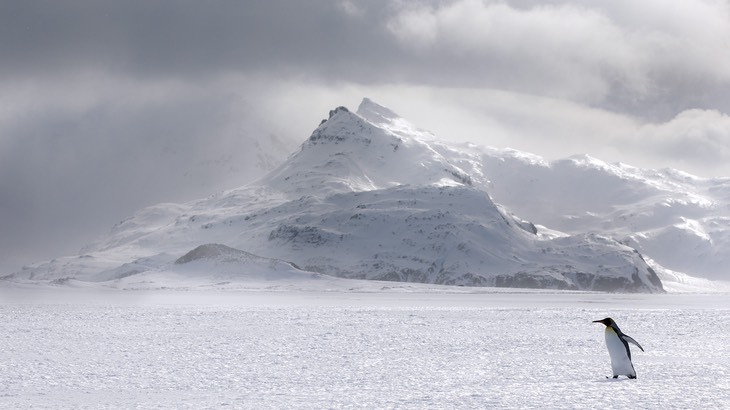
[{"x": 370, "y": 196}]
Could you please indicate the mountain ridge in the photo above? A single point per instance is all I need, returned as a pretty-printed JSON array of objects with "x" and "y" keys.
[{"x": 370, "y": 196}]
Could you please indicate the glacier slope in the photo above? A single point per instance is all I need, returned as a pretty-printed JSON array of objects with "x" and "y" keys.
[{"x": 680, "y": 221}]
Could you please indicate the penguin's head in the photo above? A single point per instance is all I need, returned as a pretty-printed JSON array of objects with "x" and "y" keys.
[{"x": 607, "y": 321}]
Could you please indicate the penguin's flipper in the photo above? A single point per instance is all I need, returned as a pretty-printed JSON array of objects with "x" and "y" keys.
[{"x": 632, "y": 341}]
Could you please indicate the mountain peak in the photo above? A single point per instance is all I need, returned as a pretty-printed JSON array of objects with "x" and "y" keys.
[
  {"x": 341, "y": 125},
  {"x": 385, "y": 118},
  {"x": 376, "y": 113},
  {"x": 340, "y": 109},
  {"x": 370, "y": 149}
]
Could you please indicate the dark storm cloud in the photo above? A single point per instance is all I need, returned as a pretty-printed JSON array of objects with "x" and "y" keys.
[
  {"x": 651, "y": 59},
  {"x": 67, "y": 172},
  {"x": 164, "y": 38}
]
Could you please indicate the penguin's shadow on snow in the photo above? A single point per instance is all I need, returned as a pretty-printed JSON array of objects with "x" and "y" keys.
[{"x": 612, "y": 380}]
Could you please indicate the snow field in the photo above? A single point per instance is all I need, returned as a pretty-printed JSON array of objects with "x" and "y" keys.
[{"x": 366, "y": 350}]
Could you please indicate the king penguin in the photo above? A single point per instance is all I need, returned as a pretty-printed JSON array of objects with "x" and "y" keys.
[{"x": 617, "y": 343}]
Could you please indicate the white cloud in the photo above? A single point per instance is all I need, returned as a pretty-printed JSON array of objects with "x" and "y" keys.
[
  {"x": 560, "y": 50},
  {"x": 589, "y": 52},
  {"x": 351, "y": 8},
  {"x": 694, "y": 137},
  {"x": 689, "y": 35}
]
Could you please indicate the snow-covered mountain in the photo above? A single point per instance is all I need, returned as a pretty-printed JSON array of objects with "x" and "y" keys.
[
  {"x": 679, "y": 220},
  {"x": 367, "y": 196}
]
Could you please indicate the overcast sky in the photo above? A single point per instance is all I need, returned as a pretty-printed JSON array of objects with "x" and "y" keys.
[{"x": 108, "y": 106}]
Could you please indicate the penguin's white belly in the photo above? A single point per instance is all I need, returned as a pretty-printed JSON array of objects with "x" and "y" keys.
[{"x": 620, "y": 362}]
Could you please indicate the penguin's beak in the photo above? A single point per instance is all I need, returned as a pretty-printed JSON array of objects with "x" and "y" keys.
[{"x": 598, "y": 321}]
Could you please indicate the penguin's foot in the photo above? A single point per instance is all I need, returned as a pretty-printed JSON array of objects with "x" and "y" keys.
[
  {"x": 631, "y": 377},
  {"x": 614, "y": 377}
]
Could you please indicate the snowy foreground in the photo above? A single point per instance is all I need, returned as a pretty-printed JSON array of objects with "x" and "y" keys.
[{"x": 399, "y": 347}]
